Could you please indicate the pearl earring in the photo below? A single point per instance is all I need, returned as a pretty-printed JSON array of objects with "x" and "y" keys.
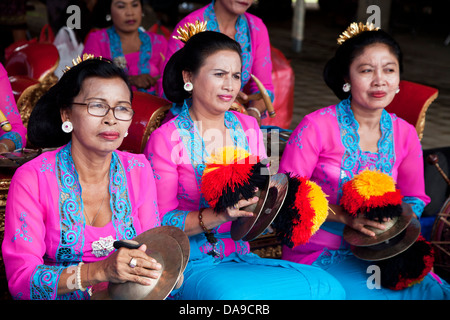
[
  {"x": 346, "y": 87},
  {"x": 398, "y": 90},
  {"x": 67, "y": 126},
  {"x": 188, "y": 86},
  {"x": 108, "y": 17},
  {"x": 126, "y": 134}
]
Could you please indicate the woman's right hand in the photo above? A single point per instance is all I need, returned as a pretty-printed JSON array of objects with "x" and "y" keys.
[
  {"x": 358, "y": 223},
  {"x": 117, "y": 269}
]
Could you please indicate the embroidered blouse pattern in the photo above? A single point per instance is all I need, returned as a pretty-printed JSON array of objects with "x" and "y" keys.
[
  {"x": 195, "y": 146},
  {"x": 354, "y": 159},
  {"x": 120, "y": 200},
  {"x": 144, "y": 52},
  {"x": 72, "y": 223},
  {"x": 22, "y": 232},
  {"x": 72, "y": 220},
  {"x": 15, "y": 137}
]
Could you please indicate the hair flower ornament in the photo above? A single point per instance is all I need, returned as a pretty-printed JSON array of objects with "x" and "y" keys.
[
  {"x": 354, "y": 29},
  {"x": 190, "y": 29},
  {"x": 86, "y": 56}
]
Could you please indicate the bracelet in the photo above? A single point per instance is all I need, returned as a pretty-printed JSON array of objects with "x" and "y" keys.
[
  {"x": 5, "y": 145},
  {"x": 200, "y": 220},
  {"x": 78, "y": 275},
  {"x": 255, "y": 110},
  {"x": 209, "y": 235}
]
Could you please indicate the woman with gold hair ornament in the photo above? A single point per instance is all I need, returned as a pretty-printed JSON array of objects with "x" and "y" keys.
[
  {"x": 205, "y": 77},
  {"x": 231, "y": 18},
  {"x": 66, "y": 207},
  {"x": 140, "y": 53},
  {"x": 333, "y": 145}
]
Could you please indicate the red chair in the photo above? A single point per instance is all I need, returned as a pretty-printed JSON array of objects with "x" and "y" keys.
[
  {"x": 149, "y": 112},
  {"x": 31, "y": 69},
  {"x": 20, "y": 83},
  {"x": 283, "y": 82},
  {"x": 27, "y": 92},
  {"x": 35, "y": 60},
  {"x": 412, "y": 102},
  {"x": 283, "y": 79}
]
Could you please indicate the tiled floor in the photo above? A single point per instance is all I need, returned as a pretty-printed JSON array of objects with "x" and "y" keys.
[{"x": 426, "y": 61}]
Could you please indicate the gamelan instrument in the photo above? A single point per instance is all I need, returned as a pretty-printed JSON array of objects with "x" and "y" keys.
[
  {"x": 402, "y": 254},
  {"x": 294, "y": 205},
  {"x": 440, "y": 233},
  {"x": 18, "y": 157},
  {"x": 169, "y": 246}
]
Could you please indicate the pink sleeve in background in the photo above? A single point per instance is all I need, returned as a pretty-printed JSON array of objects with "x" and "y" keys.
[{"x": 9, "y": 108}]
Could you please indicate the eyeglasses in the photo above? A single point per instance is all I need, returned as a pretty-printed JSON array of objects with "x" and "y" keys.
[{"x": 122, "y": 112}]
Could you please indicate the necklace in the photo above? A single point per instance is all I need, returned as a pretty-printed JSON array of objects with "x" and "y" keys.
[
  {"x": 98, "y": 211},
  {"x": 101, "y": 204}
]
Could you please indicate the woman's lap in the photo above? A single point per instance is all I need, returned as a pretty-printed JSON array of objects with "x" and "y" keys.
[
  {"x": 254, "y": 278},
  {"x": 360, "y": 280}
]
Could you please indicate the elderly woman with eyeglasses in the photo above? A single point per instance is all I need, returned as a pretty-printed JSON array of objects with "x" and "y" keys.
[{"x": 66, "y": 207}]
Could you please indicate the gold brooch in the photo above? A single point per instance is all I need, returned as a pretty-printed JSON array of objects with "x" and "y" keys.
[
  {"x": 355, "y": 29},
  {"x": 190, "y": 29},
  {"x": 79, "y": 59}
]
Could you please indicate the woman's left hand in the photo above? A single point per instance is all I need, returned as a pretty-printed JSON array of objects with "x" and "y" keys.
[{"x": 232, "y": 213}]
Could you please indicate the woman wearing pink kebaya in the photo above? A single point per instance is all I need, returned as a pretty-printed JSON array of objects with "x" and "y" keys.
[
  {"x": 333, "y": 144},
  {"x": 66, "y": 207},
  {"x": 16, "y": 137},
  {"x": 206, "y": 75},
  {"x": 230, "y": 17},
  {"x": 140, "y": 52}
]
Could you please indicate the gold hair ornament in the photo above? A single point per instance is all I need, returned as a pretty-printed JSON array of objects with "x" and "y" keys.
[
  {"x": 86, "y": 56},
  {"x": 355, "y": 29},
  {"x": 190, "y": 29}
]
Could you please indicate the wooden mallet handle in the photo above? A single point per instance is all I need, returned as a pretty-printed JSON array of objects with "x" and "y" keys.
[
  {"x": 433, "y": 159},
  {"x": 265, "y": 96}
]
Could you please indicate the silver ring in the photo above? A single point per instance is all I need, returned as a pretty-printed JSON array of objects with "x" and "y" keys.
[{"x": 133, "y": 263}]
